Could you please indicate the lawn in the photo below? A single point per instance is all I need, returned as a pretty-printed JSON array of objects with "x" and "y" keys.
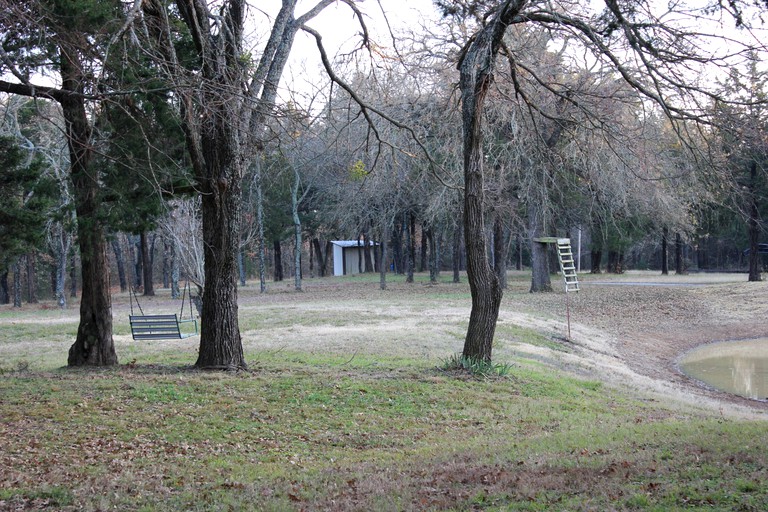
[{"x": 348, "y": 406}]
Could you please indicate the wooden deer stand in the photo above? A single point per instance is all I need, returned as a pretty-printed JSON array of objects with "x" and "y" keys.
[{"x": 567, "y": 268}]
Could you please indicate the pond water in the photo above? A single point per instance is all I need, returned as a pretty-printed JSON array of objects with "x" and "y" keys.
[{"x": 739, "y": 367}]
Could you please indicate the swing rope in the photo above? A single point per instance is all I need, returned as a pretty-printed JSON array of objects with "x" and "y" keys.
[
  {"x": 186, "y": 293},
  {"x": 183, "y": 297},
  {"x": 132, "y": 296}
]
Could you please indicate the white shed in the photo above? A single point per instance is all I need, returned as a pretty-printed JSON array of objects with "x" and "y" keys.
[{"x": 347, "y": 255}]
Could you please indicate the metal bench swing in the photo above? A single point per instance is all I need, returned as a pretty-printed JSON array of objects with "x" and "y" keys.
[{"x": 162, "y": 327}]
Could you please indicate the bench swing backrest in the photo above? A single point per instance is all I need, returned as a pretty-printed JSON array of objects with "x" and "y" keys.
[{"x": 159, "y": 327}]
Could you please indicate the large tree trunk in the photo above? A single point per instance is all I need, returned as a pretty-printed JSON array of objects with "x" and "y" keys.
[
  {"x": 94, "y": 344},
  {"x": 665, "y": 251},
  {"x": 476, "y": 70},
  {"x": 220, "y": 343}
]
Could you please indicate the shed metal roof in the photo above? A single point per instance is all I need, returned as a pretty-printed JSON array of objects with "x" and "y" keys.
[{"x": 352, "y": 243}]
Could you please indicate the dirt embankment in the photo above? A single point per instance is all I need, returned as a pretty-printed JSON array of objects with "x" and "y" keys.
[{"x": 652, "y": 320}]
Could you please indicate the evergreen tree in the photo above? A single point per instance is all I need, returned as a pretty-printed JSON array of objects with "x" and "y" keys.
[{"x": 27, "y": 196}]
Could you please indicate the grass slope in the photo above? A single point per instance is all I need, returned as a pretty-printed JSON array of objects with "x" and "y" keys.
[{"x": 380, "y": 428}]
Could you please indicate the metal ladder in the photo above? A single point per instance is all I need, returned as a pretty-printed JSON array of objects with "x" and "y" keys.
[{"x": 567, "y": 266}]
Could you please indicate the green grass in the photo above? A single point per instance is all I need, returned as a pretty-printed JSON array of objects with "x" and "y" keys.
[
  {"x": 309, "y": 429},
  {"x": 296, "y": 435}
]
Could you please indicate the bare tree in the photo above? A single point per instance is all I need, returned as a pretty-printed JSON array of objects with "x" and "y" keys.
[
  {"x": 654, "y": 56},
  {"x": 224, "y": 111}
]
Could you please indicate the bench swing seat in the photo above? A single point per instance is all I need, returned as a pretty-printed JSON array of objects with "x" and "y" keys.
[{"x": 161, "y": 327}]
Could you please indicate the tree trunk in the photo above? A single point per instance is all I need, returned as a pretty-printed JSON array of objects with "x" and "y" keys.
[
  {"x": 665, "y": 251},
  {"x": 615, "y": 262},
  {"x": 241, "y": 266},
  {"x": 17, "y": 283},
  {"x": 596, "y": 256},
  {"x": 120, "y": 261},
  {"x": 369, "y": 267},
  {"x": 311, "y": 258},
  {"x": 94, "y": 344},
  {"x": 278, "y": 252},
  {"x": 260, "y": 223},
  {"x": 5, "y": 297},
  {"x": 753, "y": 227},
  {"x": 476, "y": 72},
  {"x": 359, "y": 257},
  {"x": 397, "y": 248},
  {"x": 73, "y": 275},
  {"x": 428, "y": 234},
  {"x": 220, "y": 343},
  {"x": 500, "y": 252},
  {"x": 409, "y": 248},
  {"x": 166, "y": 263},
  {"x": 134, "y": 252},
  {"x": 518, "y": 252},
  {"x": 63, "y": 244},
  {"x": 423, "y": 262},
  {"x": 679, "y": 259},
  {"x": 383, "y": 261},
  {"x": 146, "y": 265},
  {"x": 457, "y": 253},
  {"x": 296, "y": 233},
  {"x": 322, "y": 259},
  {"x": 32, "y": 278},
  {"x": 175, "y": 272}
]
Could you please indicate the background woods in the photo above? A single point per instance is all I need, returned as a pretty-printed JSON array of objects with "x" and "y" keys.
[{"x": 152, "y": 142}]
